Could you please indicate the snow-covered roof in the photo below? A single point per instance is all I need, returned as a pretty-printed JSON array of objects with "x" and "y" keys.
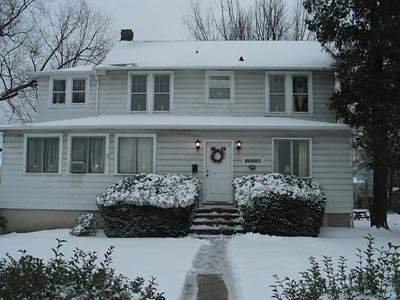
[
  {"x": 169, "y": 122},
  {"x": 79, "y": 69},
  {"x": 217, "y": 54}
]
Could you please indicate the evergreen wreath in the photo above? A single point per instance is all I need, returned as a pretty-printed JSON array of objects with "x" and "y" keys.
[{"x": 214, "y": 154}]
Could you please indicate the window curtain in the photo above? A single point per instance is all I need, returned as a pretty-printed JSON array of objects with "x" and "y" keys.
[
  {"x": 282, "y": 157},
  {"x": 96, "y": 155},
  {"x": 127, "y": 155},
  {"x": 145, "y": 155},
  {"x": 50, "y": 155},
  {"x": 304, "y": 158},
  {"x": 34, "y": 155}
]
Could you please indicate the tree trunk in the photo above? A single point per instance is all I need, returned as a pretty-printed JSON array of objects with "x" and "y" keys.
[{"x": 379, "y": 206}]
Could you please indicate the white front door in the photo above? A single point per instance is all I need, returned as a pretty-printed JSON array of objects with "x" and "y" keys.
[{"x": 218, "y": 175}]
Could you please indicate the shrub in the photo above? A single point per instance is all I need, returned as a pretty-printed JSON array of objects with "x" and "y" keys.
[
  {"x": 149, "y": 205},
  {"x": 86, "y": 226},
  {"x": 376, "y": 276},
  {"x": 280, "y": 204},
  {"x": 80, "y": 277}
]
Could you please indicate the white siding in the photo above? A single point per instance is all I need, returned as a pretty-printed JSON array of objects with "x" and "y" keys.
[{"x": 175, "y": 153}]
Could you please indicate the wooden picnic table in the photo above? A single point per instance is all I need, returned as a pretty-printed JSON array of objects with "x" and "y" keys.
[{"x": 360, "y": 213}]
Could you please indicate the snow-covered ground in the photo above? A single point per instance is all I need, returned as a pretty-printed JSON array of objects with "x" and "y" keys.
[
  {"x": 256, "y": 258},
  {"x": 167, "y": 259}
]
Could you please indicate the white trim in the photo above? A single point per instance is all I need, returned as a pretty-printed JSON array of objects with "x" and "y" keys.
[
  {"x": 205, "y": 170},
  {"x": 118, "y": 135},
  {"x": 150, "y": 91},
  {"x": 68, "y": 91},
  {"x": 42, "y": 135},
  {"x": 289, "y": 93},
  {"x": 293, "y": 139},
  {"x": 106, "y": 152},
  {"x": 231, "y": 75}
]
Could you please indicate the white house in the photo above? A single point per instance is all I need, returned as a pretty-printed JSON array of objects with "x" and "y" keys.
[{"x": 165, "y": 107}]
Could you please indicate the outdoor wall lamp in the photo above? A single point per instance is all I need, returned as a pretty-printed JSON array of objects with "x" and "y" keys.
[
  {"x": 197, "y": 144},
  {"x": 239, "y": 145}
]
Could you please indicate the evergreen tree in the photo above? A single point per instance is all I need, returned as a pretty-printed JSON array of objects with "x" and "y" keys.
[{"x": 364, "y": 37}]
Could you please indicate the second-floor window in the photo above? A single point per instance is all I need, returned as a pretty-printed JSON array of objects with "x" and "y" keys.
[
  {"x": 288, "y": 92},
  {"x": 150, "y": 91},
  {"x": 220, "y": 86},
  {"x": 69, "y": 91}
]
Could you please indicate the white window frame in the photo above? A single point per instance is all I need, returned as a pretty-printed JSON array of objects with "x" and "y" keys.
[
  {"x": 119, "y": 135},
  {"x": 291, "y": 151},
  {"x": 150, "y": 91},
  {"x": 43, "y": 135},
  {"x": 106, "y": 152},
  {"x": 68, "y": 91},
  {"x": 289, "y": 92},
  {"x": 231, "y": 75}
]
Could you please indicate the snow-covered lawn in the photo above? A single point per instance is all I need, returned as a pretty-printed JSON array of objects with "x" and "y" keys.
[
  {"x": 167, "y": 259},
  {"x": 256, "y": 258}
]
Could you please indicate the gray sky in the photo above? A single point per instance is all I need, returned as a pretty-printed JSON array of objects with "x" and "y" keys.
[{"x": 152, "y": 19}]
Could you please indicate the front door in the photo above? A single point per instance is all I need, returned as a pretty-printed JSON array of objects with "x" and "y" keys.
[{"x": 218, "y": 172}]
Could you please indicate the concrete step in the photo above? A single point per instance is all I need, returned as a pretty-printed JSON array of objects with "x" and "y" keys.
[
  {"x": 215, "y": 230},
  {"x": 217, "y": 216},
  {"x": 217, "y": 210},
  {"x": 216, "y": 222}
]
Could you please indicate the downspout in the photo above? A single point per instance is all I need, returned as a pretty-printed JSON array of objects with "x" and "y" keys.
[{"x": 97, "y": 92}]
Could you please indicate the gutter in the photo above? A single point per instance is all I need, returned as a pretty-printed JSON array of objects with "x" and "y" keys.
[{"x": 97, "y": 92}]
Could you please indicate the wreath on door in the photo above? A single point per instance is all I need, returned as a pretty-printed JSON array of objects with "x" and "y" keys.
[{"x": 217, "y": 155}]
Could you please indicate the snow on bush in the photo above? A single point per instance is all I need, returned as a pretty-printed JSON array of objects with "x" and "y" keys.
[
  {"x": 163, "y": 191},
  {"x": 280, "y": 204},
  {"x": 86, "y": 226}
]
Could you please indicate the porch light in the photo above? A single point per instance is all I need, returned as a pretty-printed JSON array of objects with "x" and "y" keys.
[
  {"x": 197, "y": 143},
  {"x": 239, "y": 145}
]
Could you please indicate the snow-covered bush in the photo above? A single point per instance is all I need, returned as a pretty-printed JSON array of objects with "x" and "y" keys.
[
  {"x": 86, "y": 226},
  {"x": 280, "y": 204},
  {"x": 149, "y": 205},
  {"x": 80, "y": 277}
]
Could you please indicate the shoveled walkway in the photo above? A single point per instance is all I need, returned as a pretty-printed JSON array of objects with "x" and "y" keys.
[{"x": 211, "y": 276}]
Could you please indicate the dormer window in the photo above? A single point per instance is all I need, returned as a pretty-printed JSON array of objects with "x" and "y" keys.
[
  {"x": 150, "y": 91},
  {"x": 220, "y": 86},
  {"x": 69, "y": 91},
  {"x": 288, "y": 92}
]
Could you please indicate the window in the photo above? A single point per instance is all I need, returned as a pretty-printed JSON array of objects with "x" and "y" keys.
[
  {"x": 292, "y": 157},
  {"x": 59, "y": 91},
  {"x": 150, "y": 91},
  {"x": 161, "y": 92},
  {"x": 219, "y": 87},
  {"x": 277, "y": 100},
  {"x": 288, "y": 90},
  {"x": 42, "y": 154},
  {"x": 88, "y": 154},
  {"x": 135, "y": 154},
  {"x": 139, "y": 93},
  {"x": 300, "y": 93},
  {"x": 69, "y": 91}
]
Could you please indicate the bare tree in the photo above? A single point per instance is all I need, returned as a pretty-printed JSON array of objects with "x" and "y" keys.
[
  {"x": 264, "y": 20},
  {"x": 37, "y": 35}
]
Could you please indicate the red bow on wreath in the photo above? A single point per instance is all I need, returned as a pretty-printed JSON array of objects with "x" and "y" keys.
[{"x": 217, "y": 155}]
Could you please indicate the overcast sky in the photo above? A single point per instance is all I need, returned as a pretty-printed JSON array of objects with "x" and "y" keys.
[{"x": 152, "y": 19}]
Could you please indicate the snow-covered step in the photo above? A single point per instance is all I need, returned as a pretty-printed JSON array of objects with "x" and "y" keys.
[
  {"x": 217, "y": 216},
  {"x": 203, "y": 221},
  {"x": 213, "y": 230}
]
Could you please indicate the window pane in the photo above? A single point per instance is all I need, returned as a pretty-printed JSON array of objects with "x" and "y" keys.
[
  {"x": 138, "y": 102},
  {"x": 277, "y": 103},
  {"x": 301, "y": 158},
  {"x": 78, "y": 97},
  {"x": 161, "y": 102},
  {"x": 277, "y": 84},
  {"x": 79, "y": 85},
  {"x": 282, "y": 157},
  {"x": 145, "y": 155},
  {"x": 34, "y": 155},
  {"x": 220, "y": 93},
  {"x": 50, "y": 155},
  {"x": 127, "y": 155},
  {"x": 300, "y": 103},
  {"x": 161, "y": 83},
  {"x": 139, "y": 83},
  {"x": 96, "y": 155},
  {"x": 300, "y": 84},
  {"x": 59, "y": 85},
  {"x": 58, "y": 98},
  {"x": 219, "y": 81},
  {"x": 79, "y": 155}
]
